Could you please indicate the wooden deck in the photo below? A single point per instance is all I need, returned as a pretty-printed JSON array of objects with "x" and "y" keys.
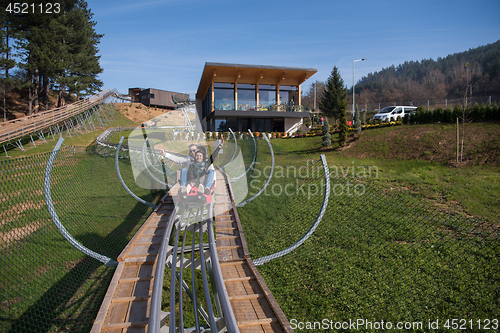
[
  {"x": 126, "y": 305},
  {"x": 253, "y": 305}
]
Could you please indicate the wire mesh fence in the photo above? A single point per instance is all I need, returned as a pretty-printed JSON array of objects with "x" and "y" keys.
[
  {"x": 428, "y": 104},
  {"x": 47, "y": 285},
  {"x": 377, "y": 256}
]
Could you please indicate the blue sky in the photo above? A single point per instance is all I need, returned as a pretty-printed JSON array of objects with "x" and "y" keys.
[{"x": 164, "y": 44}]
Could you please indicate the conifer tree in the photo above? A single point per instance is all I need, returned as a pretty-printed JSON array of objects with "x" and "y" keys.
[
  {"x": 58, "y": 48},
  {"x": 80, "y": 76},
  {"x": 334, "y": 95},
  {"x": 343, "y": 124}
]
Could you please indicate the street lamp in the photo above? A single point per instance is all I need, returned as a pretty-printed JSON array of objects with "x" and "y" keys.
[{"x": 353, "y": 84}]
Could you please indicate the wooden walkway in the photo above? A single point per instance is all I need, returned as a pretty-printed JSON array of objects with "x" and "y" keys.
[
  {"x": 126, "y": 305},
  {"x": 18, "y": 128}
]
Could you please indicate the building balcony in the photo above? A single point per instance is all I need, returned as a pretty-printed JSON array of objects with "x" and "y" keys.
[{"x": 249, "y": 106}]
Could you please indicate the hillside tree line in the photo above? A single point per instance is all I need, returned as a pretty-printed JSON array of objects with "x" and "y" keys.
[
  {"x": 476, "y": 71},
  {"x": 46, "y": 47}
]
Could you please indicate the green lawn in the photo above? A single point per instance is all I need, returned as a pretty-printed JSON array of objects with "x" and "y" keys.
[
  {"x": 472, "y": 190},
  {"x": 48, "y": 285},
  {"x": 382, "y": 253}
]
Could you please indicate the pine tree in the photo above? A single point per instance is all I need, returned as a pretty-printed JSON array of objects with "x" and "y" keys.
[
  {"x": 60, "y": 48},
  {"x": 334, "y": 95},
  {"x": 343, "y": 124},
  {"x": 81, "y": 74}
]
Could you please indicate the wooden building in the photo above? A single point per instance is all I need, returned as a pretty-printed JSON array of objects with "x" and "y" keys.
[
  {"x": 259, "y": 98},
  {"x": 156, "y": 97}
]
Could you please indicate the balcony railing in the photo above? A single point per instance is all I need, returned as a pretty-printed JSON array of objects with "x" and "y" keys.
[{"x": 251, "y": 106}]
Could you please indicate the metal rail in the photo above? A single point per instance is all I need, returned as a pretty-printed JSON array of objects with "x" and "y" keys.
[
  {"x": 253, "y": 160},
  {"x": 108, "y": 262},
  {"x": 243, "y": 203},
  {"x": 263, "y": 260},
  {"x": 150, "y": 204},
  {"x": 191, "y": 218}
]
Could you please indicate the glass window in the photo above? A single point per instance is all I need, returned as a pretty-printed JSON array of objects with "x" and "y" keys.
[
  {"x": 220, "y": 125},
  {"x": 224, "y": 96},
  {"x": 387, "y": 109},
  {"x": 246, "y": 96},
  {"x": 278, "y": 125},
  {"x": 232, "y": 123},
  {"x": 263, "y": 125},
  {"x": 245, "y": 124},
  {"x": 267, "y": 96},
  {"x": 289, "y": 96}
]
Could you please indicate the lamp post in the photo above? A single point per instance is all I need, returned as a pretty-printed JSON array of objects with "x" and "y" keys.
[{"x": 353, "y": 84}]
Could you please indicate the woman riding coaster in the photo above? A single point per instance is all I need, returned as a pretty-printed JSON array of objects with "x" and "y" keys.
[{"x": 200, "y": 173}]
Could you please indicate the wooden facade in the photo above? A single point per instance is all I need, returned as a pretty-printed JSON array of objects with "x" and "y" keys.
[{"x": 210, "y": 111}]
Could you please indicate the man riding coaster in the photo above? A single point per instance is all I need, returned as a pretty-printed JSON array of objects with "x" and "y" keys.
[{"x": 199, "y": 177}]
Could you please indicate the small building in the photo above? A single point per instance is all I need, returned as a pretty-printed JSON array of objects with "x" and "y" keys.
[
  {"x": 157, "y": 97},
  {"x": 259, "y": 98}
]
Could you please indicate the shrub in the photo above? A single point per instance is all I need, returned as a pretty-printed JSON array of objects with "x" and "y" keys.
[
  {"x": 476, "y": 113},
  {"x": 488, "y": 113},
  {"x": 496, "y": 111},
  {"x": 438, "y": 115},
  {"x": 406, "y": 119},
  {"x": 357, "y": 123},
  {"x": 326, "y": 135}
]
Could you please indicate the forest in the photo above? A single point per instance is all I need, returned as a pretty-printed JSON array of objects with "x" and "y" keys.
[
  {"x": 475, "y": 72},
  {"x": 49, "y": 46}
]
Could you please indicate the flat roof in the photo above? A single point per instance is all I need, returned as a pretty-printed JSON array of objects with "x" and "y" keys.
[{"x": 253, "y": 74}]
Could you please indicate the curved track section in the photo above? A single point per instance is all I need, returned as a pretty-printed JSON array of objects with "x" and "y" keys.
[
  {"x": 50, "y": 206},
  {"x": 308, "y": 234},
  {"x": 253, "y": 160},
  {"x": 243, "y": 203},
  {"x": 211, "y": 274},
  {"x": 152, "y": 205}
]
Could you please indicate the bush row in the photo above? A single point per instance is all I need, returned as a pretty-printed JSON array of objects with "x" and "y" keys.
[{"x": 478, "y": 113}]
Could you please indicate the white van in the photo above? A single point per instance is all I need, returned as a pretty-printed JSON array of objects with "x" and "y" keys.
[{"x": 391, "y": 113}]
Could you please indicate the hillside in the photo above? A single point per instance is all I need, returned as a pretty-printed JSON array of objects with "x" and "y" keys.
[
  {"x": 16, "y": 102},
  {"x": 437, "y": 79},
  {"x": 140, "y": 113},
  {"x": 431, "y": 143}
]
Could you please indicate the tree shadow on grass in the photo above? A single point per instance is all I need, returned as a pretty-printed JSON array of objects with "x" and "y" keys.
[{"x": 72, "y": 303}]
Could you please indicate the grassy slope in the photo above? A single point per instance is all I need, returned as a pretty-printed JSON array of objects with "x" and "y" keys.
[
  {"x": 399, "y": 155},
  {"x": 367, "y": 259}
]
